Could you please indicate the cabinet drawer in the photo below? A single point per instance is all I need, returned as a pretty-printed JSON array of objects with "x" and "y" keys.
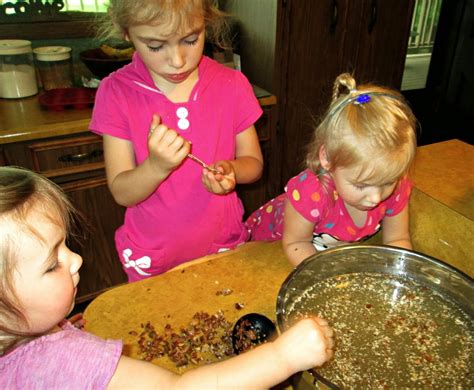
[{"x": 68, "y": 155}]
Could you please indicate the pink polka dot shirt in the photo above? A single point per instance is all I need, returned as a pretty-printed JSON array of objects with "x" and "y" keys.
[{"x": 323, "y": 207}]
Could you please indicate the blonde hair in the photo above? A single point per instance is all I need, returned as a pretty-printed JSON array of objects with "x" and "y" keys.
[
  {"x": 177, "y": 15},
  {"x": 21, "y": 191},
  {"x": 356, "y": 132}
]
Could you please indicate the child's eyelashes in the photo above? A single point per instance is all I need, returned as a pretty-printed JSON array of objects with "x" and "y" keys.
[
  {"x": 361, "y": 187},
  {"x": 155, "y": 48},
  {"x": 191, "y": 42},
  {"x": 53, "y": 268},
  {"x": 187, "y": 42}
]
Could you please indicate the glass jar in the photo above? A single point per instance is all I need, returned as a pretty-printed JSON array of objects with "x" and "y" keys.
[
  {"x": 17, "y": 69},
  {"x": 54, "y": 64}
]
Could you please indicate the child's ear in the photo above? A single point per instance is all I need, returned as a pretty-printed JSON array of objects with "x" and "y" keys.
[{"x": 323, "y": 158}]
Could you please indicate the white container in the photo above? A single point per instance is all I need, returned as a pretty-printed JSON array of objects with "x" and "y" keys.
[
  {"x": 54, "y": 64},
  {"x": 17, "y": 69}
]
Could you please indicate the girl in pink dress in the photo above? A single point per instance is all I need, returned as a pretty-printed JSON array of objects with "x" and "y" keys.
[
  {"x": 356, "y": 177},
  {"x": 150, "y": 112},
  {"x": 39, "y": 276}
]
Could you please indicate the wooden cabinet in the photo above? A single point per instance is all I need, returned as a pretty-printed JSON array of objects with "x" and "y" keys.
[
  {"x": 311, "y": 42},
  {"x": 318, "y": 40},
  {"x": 256, "y": 194},
  {"x": 76, "y": 164}
]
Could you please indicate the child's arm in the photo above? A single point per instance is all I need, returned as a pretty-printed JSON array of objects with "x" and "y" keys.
[
  {"x": 307, "y": 344},
  {"x": 246, "y": 168},
  {"x": 129, "y": 183},
  {"x": 297, "y": 235},
  {"x": 395, "y": 230}
]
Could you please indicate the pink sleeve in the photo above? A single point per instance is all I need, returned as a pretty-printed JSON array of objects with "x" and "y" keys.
[
  {"x": 109, "y": 115},
  {"x": 396, "y": 202},
  {"x": 247, "y": 107},
  {"x": 68, "y": 359},
  {"x": 307, "y": 196}
]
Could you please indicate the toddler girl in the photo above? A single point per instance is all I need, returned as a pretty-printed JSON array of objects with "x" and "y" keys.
[
  {"x": 356, "y": 177},
  {"x": 150, "y": 112},
  {"x": 39, "y": 277}
]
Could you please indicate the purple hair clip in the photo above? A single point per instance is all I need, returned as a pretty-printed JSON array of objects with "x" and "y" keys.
[{"x": 362, "y": 98}]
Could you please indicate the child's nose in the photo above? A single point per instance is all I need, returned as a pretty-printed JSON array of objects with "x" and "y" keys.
[
  {"x": 76, "y": 263},
  {"x": 176, "y": 58},
  {"x": 375, "y": 196}
]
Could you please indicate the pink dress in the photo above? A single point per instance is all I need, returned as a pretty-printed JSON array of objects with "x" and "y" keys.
[
  {"x": 333, "y": 225},
  {"x": 67, "y": 359},
  {"x": 181, "y": 220}
]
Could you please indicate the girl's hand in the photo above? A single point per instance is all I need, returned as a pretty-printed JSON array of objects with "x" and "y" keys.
[
  {"x": 307, "y": 344},
  {"x": 167, "y": 149},
  {"x": 220, "y": 183}
]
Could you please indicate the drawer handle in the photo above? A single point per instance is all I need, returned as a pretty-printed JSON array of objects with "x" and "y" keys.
[{"x": 81, "y": 156}]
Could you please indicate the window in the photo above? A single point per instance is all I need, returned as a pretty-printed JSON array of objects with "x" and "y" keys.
[
  {"x": 86, "y": 5},
  {"x": 49, "y": 19},
  {"x": 420, "y": 44},
  {"x": 423, "y": 26},
  {"x": 69, "y": 5}
]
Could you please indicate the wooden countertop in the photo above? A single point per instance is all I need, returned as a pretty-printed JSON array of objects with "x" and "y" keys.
[
  {"x": 24, "y": 119},
  {"x": 445, "y": 172},
  {"x": 254, "y": 272}
]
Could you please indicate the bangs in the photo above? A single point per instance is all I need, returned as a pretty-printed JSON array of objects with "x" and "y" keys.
[
  {"x": 386, "y": 169},
  {"x": 176, "y": 16}
]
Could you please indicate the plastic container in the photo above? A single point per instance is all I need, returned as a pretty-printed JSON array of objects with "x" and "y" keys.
[
  {"x": 60, "y": 99},
  {"x": 17, "y": 69},
  {"x": 54, "y": 64}
]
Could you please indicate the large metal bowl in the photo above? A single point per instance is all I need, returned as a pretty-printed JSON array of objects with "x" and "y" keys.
[{"x": 431, "y": 275}]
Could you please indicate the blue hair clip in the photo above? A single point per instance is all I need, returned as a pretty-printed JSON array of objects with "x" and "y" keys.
[{"x": 362, "y": 99}]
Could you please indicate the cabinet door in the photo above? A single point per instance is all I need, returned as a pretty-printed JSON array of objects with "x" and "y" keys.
[
  {"x": 318, "y": 40},
  {"x": 310, "y": 47},
  {"x": 382, "y": 40},
  {"x": 101, "y": 267},
  {"x": 256, "y": 194}
]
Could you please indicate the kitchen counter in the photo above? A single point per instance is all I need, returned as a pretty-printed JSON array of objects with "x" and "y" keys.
[
  {"x": 24, "y": 119},
  {"x": 442, "y": 204},
  {"x": 445, "y": 172},
  {"x": 254, "y": 272}
]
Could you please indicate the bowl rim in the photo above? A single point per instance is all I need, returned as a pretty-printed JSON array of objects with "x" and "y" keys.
[
  {"x": 351, "y": 247},
  {"x": 82, "y": 56}
]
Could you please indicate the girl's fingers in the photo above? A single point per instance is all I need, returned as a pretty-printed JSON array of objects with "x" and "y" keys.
[{"x": 155, "y": 122}]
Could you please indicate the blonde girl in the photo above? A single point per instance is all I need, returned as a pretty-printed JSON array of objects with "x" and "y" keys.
[
  {"x": 356, "y": 180},
  {"x": 150, "y": 113},
  {"x": 39, "y": 278}
]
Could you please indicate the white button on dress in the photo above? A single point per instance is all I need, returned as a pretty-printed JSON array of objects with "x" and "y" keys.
[
  {"x": 183, "y": 122},
  {"x": 182, "y": 112}
]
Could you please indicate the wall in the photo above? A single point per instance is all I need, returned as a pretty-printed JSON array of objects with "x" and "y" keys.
[{"x": 257, "y": 23}]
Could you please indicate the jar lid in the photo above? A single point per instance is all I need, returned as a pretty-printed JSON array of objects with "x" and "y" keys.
[
  {"x": 14, "y": 46},
  {"x": 52, "y": 53}
]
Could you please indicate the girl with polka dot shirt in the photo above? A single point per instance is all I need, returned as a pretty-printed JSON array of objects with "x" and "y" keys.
[
  {"x": 356, "y": 180},
  {"x": 170, "y": 104}
]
